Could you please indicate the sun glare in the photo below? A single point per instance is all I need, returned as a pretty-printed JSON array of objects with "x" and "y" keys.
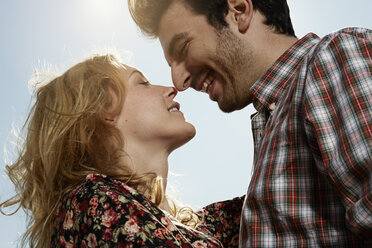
[{"x": 102, "y": 8}]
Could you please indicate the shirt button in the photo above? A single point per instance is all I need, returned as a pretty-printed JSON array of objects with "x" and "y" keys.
[{"x": 272, "y": 107}]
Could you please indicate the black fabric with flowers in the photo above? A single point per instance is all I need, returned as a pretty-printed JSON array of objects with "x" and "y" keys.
[{"x": 104, "y": 212}]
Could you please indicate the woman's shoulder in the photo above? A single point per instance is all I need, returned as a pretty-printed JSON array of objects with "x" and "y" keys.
[
  {"x": 98, "y": 193},
  {"x": 105, "y": 212},
  {"x": 100, "y": 208},
  {"x": 98, "y": 185}
]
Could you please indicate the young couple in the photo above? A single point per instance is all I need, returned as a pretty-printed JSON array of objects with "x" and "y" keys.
[{"x": 94, "y": 165}]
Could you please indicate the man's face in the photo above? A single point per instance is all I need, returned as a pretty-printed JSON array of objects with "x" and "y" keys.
[{"x": 206, "y": 59}]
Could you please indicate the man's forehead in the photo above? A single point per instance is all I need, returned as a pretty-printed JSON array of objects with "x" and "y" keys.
[
  {"x": 175, "y": 21},
  {"x": 177, "y": 10}
]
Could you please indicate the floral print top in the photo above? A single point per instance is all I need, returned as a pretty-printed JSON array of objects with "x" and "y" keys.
[{"x": 104, "y": 212}]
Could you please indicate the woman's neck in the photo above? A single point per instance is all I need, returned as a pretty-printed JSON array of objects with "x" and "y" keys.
[
  {"x": 146, "y": 159},
  {"x": 164, "y": 205}
]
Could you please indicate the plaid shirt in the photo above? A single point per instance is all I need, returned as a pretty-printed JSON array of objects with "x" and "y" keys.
[{"x": 312, "y": 179}]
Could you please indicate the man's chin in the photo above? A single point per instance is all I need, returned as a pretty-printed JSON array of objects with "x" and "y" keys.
[{"x": 228, "y": 107}]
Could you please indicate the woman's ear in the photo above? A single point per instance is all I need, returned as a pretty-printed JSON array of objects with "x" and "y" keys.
[
  {"x": 241, "y": 13},
  {"x": 110, "y": 119}
]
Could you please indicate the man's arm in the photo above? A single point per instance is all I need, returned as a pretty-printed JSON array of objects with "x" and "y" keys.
[{"x": 338, "y": 112}]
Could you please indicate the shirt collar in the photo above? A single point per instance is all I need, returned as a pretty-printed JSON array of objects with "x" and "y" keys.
[{"x": 268, "y": 89}]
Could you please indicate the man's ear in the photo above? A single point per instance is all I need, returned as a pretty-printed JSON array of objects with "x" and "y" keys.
[{"x": 241, "y": 12}]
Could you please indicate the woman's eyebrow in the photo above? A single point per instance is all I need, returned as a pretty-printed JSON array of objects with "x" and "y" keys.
[{"x": 136, "y": 71}]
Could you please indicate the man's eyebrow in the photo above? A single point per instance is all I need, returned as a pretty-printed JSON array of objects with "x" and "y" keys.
[{"x": 174, "y": 41}]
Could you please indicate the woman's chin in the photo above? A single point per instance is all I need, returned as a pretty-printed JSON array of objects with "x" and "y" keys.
[{"x": 183, "y": 138}]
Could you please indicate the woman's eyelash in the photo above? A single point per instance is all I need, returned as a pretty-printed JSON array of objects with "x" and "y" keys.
[{"x": 147, "y": 83}]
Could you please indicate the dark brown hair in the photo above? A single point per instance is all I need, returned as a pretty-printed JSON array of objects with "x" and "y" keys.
[{"x": 148, "y": 13}]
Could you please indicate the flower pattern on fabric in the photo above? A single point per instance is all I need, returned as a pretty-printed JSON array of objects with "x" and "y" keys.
[{"x": 104, "y": 212}]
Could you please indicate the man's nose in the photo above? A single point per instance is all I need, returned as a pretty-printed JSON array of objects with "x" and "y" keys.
[{"x": 181, "y": 77}]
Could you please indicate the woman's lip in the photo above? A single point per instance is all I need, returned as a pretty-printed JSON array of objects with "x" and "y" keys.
[{"x": 175, "y": 105}]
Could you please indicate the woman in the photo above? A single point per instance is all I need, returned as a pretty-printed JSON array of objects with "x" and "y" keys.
[{"x": 94, "y": 165}]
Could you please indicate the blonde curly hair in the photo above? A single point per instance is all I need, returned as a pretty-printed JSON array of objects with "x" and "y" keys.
[{"x": 67, "y": 138}]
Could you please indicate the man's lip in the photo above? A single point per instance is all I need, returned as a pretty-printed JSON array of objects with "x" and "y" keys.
[
  {"x": 199, "y": 86},
  {"x": 211, "y": 91}
]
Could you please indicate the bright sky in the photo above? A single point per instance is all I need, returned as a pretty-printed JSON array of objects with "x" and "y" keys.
[{"x": 216, "y": 164}]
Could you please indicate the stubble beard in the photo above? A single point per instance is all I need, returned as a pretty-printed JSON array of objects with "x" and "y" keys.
[{"x": 233, "y": 57}]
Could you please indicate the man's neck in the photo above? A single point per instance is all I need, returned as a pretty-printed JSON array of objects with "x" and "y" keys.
[{"x": 267, "y": 44}]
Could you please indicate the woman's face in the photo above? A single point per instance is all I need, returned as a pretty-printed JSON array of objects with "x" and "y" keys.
[{"x": 150, "y": 115}]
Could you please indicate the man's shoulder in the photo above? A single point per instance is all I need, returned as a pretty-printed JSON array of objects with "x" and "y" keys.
[
  {"x": 332, "y": 67},
  {"x": 345, "y": 37},
  {"x": 351, "y": 31},
  {"x": 342, "y": 45}
]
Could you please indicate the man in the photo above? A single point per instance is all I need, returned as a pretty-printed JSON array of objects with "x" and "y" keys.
[{"x": 312, "y": 179}]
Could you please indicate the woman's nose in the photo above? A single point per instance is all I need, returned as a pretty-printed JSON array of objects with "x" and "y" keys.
[{"x": 171, "y": 92}]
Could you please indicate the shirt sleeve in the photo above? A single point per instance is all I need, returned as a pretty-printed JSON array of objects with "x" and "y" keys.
[
  {"x": 222, "y": 221},
  {"x": 338, "y": 116}
]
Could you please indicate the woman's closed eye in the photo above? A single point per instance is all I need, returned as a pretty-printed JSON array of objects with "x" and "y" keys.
[{"x": 146, "y": 83}]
